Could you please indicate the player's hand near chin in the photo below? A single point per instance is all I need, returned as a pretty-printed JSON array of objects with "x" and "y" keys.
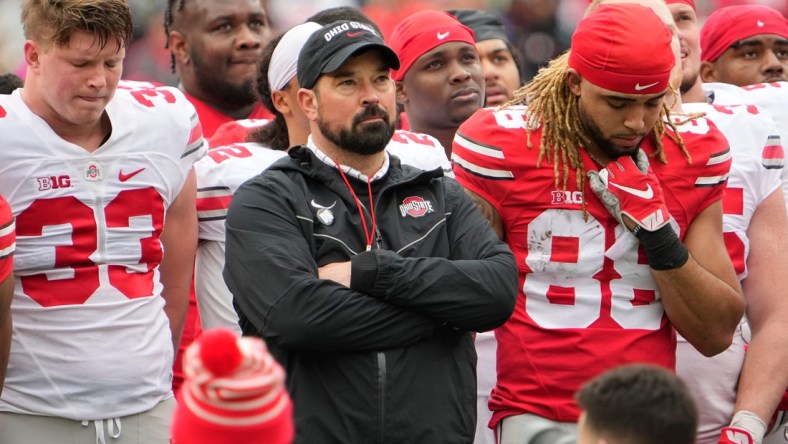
[
  {"x": 631, "y": 192},
  {"x": 629, "y": 189}
]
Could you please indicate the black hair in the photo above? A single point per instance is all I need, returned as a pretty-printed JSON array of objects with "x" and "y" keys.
[
  {"x": 274, "y": 134},
  {"x": 639, "y": 403},
  {"x": 518, "y": 61},
  {"x": 332, "y": 15},
  {"x": 176, "y": 5},
  {"x": 9, "y": 82}
]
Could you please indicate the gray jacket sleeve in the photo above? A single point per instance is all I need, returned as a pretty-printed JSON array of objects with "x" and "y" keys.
[
  {"x": 272, "y": 274},
  {"x": 475, "y": 289}
]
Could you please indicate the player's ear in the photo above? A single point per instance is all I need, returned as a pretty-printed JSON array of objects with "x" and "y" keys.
[
  {"x": 708, "y": 72},
  {"x": 179, "y": 47},
  {"x": 307, "y": 100},
  {"x": 402, "y": 93},
  {"x": 573, "y": 81},
  {"x": 32, "y": 53},
  {"x": 280, "y": 102}
]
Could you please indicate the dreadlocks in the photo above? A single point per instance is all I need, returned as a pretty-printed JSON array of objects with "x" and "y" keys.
[
  {"x": 552, "y": 105},
  {"x": 176, "y": 5}
]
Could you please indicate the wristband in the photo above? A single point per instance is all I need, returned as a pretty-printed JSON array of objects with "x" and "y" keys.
[
  {"x": 747, "y": 420},
  {"x": 663, "y": 247}
]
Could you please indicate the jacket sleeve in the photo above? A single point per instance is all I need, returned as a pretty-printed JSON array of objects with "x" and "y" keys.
[
  {"x": 474, "y": 289},
  {"x": 272, "y": 275}
]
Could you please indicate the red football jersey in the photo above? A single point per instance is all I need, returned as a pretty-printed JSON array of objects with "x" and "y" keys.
[
  {"x": 211, "y": 118},
  {"x": 7, "y": 240},
  {"x": 235, "y": 131},
  {"x": 588, "y": 301}
]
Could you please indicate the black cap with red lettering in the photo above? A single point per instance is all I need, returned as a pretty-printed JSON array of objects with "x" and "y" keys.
[{"x": 329, "y": 47}]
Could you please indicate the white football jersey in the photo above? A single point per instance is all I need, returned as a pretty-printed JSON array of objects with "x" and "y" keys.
[
  {"x": 91, "y": 339},
  {"x": 419, "y": 150},
  {"x": 755, "y": 174},
  {"x": 219, "y": 174},
  {"x": 770, "y": 98}
]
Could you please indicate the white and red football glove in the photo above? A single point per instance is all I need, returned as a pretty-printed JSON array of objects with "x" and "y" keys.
[
  {"x": 745, "y": 428},
  {"x": 631, "y": 189},
  {"x": 735, "y": 435}
]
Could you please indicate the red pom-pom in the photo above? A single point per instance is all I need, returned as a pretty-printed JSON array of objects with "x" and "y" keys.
[{"x": 219, "y": 351}]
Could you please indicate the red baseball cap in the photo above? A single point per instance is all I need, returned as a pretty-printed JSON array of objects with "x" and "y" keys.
[
  {"x": 421, "y": 32},
  {"x": 610, "y": 51},
  {"x": 728, "y": 25}
]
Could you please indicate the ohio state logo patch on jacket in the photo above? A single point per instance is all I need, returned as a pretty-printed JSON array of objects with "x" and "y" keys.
[{"x": 415, "y": 206}]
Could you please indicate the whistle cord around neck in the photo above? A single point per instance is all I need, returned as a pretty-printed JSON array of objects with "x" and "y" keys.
[{"x": 369, "y": 234}]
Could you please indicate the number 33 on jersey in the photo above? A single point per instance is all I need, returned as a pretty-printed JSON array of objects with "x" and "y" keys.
[{"x": 88, "y": 224}]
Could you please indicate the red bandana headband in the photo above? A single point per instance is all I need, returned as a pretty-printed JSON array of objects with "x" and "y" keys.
[
  {"x": 423, "y": 31},
  {"x": 608, "y": 49},
  {"x": 730, "y": 24}
]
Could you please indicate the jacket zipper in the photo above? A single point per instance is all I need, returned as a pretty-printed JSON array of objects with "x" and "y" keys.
[
  {"x": 382, "y": 396},
  {"x": 383, "y": 190},
  {"x": 378, "y": 238}
]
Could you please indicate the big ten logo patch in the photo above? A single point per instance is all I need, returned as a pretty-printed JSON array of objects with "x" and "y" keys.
[
  {"x": 53, "y": 182},
  {"x": 567, "y": 197}
]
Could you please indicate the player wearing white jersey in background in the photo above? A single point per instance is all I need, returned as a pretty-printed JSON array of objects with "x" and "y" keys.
[
  {"x": 224, "y": 169},
  {"x": 99, "y": 179},
  {"x": 744, "y": 60},
  {"x": 734, "y": 387},
  {"x": 219, "y": 174},
  {"x": 769, "y": 97}
]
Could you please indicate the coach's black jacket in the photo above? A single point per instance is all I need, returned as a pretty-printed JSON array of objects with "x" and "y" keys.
[{"x": 389, "y": 360}]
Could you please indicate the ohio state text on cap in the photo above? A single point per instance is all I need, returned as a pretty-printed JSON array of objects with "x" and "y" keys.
[{"x": 330, "y": 46}]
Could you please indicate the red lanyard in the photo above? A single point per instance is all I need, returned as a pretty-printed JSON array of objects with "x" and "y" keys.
[{"x": 368, "y": 234}]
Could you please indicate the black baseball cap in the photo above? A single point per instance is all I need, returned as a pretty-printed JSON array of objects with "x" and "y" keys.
[
  {"x": 330, "y": 46},
  {"x": 485, "y": 25}
]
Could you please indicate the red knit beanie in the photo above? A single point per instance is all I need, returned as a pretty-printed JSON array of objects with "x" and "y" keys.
[
  {"x": 610, "y": 51},
  {"x": 233, "y": 393},
  {"x": 728, "y": 25}
]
